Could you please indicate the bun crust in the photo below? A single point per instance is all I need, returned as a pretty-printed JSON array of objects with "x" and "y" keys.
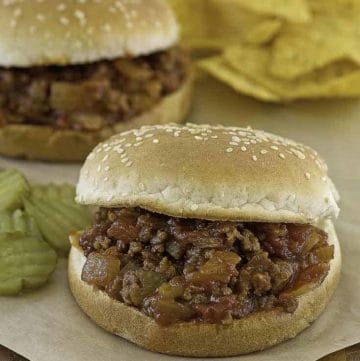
[
  {"x": 45, "y": 143},
  {"x": 207, "y": 172},
  {"x": 253, "y": 333},
  {"x": 70, "y": 32}
]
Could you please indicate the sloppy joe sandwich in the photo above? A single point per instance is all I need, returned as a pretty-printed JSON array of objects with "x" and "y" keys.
[
  {"x": 72, "y": 73},
  {"x": 209, "y": 240}
]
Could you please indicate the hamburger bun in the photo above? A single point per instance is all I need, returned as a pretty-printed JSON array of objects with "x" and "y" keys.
[
  {"x": 207, "y": 172},
  {"x": 74, "y": 32},
  {"x": 255, "y": 332},
  {"x": 40, "y": 142}
]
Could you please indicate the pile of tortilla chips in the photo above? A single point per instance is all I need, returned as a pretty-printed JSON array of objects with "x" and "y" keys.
[{"x": 277, "y": 50}]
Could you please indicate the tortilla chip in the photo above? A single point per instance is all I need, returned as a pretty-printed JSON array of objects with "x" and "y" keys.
[
  {"x": 220, "y": 70},
  {"x": 334, "y": 34},
  {"x": 191, "y": 16},
  {"x": 291, "y": 10},
  {"x": 263, "y": 32},
  {"x": 216, "y": 24},
  {"x": 339, "y": 79}
]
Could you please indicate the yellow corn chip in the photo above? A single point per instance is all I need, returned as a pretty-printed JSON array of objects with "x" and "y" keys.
[
  {"x": 218, "y": 68},
  {"x": 334, "y": 34},
  {"x": 263, "y": 32},
  {"x": 192, "y": 18},
  {"x": 215, "y": 24},
  {"x": 340, "y": 79},
  {"x": 291, "y": 10}
]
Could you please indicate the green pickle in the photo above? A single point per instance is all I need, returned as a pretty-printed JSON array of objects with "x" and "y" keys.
[
  {"x": 57, "y": 215},
  {"x": 25, "y": 262},
  {"x": 66, "y": 192},
  {"x": 13, "y": 189},
  {"x": 19, "y": 221}
]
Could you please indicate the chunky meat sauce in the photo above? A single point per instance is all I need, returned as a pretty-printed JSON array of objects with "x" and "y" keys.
[
  {"x": 176, "y": 269},
  {"x": 89, "y": 97}
]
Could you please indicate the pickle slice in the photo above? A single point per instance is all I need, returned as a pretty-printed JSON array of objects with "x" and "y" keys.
[
  {"x": 57, "y": 219},
  {"x": 25, "y": 262},
  {"x": 19, "y": 221},
  {"x": 65, "y": 192},
  {"x": 13, "y": 189}
]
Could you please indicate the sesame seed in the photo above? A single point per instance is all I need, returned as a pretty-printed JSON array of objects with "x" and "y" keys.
[
  {"x": 307, "y": 175},
  {"x": 107, "y": 168},
  {"x": 124, "y": 160},
  {"x": 107, "y": 28},
  {"x": 79, "y": 14},
  {"x": 214, "y": 136},
  {"x": 194, "y": 207},
  {"x": 155, "y": 141},
  {"x": 17, "y": 12},
  {"x": 274, "y": 147},
  {"x": 233, "y": 143},
  {"x": 128, "y": 164},
  {"x": 106, "y": 179},
  {"x": 105, "y": 158},
  {"x": 282, "y": 155},
  {"x": 254, "y": 157},
  {"x": 197, "y": 137},
  {"x": 263, "y": 151},
  {"x": 235, "y": 139},
  {"x": 299, "y": 154},
  {"x": 99, "y": 168},
  {"x": 229, "y": 150},
  {"x": 61, "y": 7},
  {"x": 63, "y": 20},
  {"x": 243, "y": 149}
]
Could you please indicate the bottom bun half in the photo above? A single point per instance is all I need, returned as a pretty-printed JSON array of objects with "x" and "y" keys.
[
  {"x": 253, "y": 333},
  {"x": 39, "y": 142}
]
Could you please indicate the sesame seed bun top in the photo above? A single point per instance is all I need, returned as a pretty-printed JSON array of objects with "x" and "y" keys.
[
  {"x": 209, "y": 172},
  {"x": 61, "y": 32}
]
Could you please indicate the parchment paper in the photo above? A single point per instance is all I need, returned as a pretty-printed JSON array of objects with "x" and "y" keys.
[{"x": 47, "y": 325}]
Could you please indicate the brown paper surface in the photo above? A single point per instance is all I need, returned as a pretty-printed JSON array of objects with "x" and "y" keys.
[{"x": 47, "y": 325}]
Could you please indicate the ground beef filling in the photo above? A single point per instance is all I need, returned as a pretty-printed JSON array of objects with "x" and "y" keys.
[
  {"x": 177, "y": 270},
  {"x": 89, "y": 97}
]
